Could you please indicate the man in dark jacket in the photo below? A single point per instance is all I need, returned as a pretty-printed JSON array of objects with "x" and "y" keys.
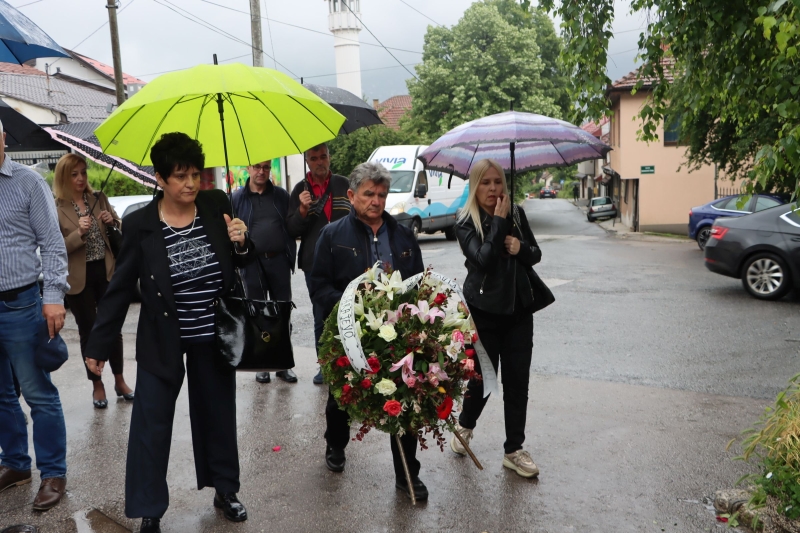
[
  {"x": 318, "y": 200},
  {"x": 345, "y": 249},
  {"x": 264, "y": 209}
]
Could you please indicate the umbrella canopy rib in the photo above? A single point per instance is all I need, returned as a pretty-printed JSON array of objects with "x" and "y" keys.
[
  {"x": 229, "y": 98},
  {"x": 334, "y": 133},
  {"x": 280, "y": 122}
]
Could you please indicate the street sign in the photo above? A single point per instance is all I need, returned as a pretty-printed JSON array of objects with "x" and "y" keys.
[{"x": 648, "y": 169}]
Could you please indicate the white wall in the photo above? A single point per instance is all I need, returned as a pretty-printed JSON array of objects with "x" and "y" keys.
[
  {"x": 34, "y": 113},
  {"x": 70, "y": 67}
]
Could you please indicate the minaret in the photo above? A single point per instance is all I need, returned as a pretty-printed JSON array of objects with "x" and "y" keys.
[{"x": 344, "y": 25}]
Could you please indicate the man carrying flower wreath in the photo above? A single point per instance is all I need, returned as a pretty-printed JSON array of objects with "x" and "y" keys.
[{"x": 345, "y": 249}]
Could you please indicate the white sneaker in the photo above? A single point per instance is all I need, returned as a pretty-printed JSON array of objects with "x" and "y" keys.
[
  {"x": 520, "y": 462},
  {"x": 455, "y": 444}
]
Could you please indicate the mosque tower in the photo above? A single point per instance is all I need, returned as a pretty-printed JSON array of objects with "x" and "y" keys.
[{"x": 344, "y": 25}]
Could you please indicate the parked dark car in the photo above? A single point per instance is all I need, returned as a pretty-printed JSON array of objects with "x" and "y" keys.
[
  {"x": 762, "y": 249},
  {"x": 601, "y": 207},
  {"x": 547, "y": 192},
  {"x": 702, "y": 217}
]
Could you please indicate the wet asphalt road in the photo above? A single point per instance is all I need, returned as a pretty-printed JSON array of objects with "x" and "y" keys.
[{"x": 643, "y": 369}]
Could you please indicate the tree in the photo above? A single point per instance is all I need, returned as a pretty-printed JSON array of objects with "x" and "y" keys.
[
  {"x": 348, "y": 151},
  {"x": 477, "y": 68},
  {"x": 727, "y": 69},
  {"x": 117, "y": 185}
]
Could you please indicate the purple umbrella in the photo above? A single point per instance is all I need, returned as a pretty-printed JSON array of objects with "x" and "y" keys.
[{"x": 518, "y": 141}]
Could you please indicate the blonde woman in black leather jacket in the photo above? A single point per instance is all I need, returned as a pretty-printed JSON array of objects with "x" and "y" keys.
[{"x": 502, "y": 292}]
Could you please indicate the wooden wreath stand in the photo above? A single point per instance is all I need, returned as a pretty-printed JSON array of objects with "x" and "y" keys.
[{"x": 408, "y": 472}]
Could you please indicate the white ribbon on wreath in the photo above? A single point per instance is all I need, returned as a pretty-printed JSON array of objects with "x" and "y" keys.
[{"x": 351, "y": 343}]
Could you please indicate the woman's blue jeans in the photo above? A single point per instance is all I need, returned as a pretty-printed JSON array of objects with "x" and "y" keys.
[{"x": 20, "y": 320}]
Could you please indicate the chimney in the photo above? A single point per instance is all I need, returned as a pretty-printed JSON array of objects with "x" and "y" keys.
[{"x": 375, "y": 103}]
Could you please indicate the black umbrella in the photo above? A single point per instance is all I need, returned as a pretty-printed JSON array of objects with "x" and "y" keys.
[
  {"x": 16, "y": 125},
  {"x": 358, "y": 113},
  {"x": 80, "y": 137}
]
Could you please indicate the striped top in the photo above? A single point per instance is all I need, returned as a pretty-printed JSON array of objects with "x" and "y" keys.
[
  {"x": 28, "y": 220},
  {"x": 196, "y": 279}
]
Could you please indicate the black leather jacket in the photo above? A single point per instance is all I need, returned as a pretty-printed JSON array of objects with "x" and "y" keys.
[{"x": 492, "y": 283}]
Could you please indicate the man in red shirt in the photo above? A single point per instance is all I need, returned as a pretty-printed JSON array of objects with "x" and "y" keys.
[{"x": 318, "y": 200}]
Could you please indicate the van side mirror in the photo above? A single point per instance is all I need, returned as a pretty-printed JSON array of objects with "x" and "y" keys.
[{"x": 421, "y": 191}]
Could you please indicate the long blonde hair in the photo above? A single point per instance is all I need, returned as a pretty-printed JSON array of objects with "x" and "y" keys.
[
  {"x": 471, "y": 208},
  {"x": 62, "y": 181}
]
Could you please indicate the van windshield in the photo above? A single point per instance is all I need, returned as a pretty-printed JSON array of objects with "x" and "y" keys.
[{"x": 402, "y": 180}]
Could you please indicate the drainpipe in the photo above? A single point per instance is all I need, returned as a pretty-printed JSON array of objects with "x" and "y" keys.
[{"x": 716, "y": 175}]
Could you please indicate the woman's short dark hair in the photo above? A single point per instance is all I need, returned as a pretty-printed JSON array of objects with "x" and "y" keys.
[{"x": 176, "y": 151}]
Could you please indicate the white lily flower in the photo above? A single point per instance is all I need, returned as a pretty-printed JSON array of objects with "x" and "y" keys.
[
  {"x": 358, "y": 307},
  {"x": 374, "y": 322},
  {"x": 390, "y": 284},
  {"x": 359, "y": 331},
  {"x": 453, "y": 319}
]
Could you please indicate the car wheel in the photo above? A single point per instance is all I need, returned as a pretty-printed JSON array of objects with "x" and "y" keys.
[
  {"x": 450, "y": 233},
  {"x": 702, "y": 236},
  {"x": 766, "y": 277},
  {"x": 589, "y": 218},
  {"x": 416, "y": 227}
]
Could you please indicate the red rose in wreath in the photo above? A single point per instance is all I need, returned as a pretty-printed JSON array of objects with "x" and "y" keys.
[
  {"x": 366, "y": 383},
  {"x": 440, "y": 299},
  {"x": 469, "y": 352},
  {"x": 393, "y": 407},
  {"x": 443, "y": 411},
  {"x": 343, "y": 362},
  {"x": 374, "y": 365}
]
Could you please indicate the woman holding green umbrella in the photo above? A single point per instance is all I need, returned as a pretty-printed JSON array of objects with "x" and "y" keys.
[{"x": 182, "y": 248}]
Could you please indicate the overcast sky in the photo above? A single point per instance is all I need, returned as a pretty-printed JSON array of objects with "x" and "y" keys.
[{"x": 157, "y": 35}]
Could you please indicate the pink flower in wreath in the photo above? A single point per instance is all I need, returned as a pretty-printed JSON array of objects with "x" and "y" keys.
[
  {"x": 436, "y": 374},
  {"x": 410, "y": 381},
  {"x": 457, "y": 336},
  {"x": 469, "y": 364},
  {"x": 407, "y": 365}
]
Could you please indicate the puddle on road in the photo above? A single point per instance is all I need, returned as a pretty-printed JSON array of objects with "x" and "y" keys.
[{"x": 93, "y": 521}]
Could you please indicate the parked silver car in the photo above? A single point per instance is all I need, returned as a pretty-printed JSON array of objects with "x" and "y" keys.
[{"x": 601, "y": 207}]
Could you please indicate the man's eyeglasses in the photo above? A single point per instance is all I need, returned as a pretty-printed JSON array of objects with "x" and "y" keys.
[{"x": 262, "y": 168}]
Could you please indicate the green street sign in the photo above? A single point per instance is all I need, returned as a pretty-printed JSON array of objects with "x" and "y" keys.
[{"x": 648, "y": 169}]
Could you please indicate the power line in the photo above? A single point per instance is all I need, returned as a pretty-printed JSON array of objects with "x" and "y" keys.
[
  {"x": 326, "y": 34},
  {"x": 362, "y": 70},
  {"x": 269, "y": 29},
  {"x": 420, "y": 12},
  {"x": 197, "y": 20},
  {"x": 184, "y": 68},
  {"x": 29, "y": 4},
  {"x": 347, "y": 5}
]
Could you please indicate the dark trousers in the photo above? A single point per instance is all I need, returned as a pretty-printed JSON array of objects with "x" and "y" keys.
[
  {"x": 338, "y": 435},
  {"x": 278, "y": 282},
  {"x": 509, "y": 342},
  {"x": 84, "y": 308},
  {"x": 318, "y": 312},
  {"x": 212, "y": 411}
]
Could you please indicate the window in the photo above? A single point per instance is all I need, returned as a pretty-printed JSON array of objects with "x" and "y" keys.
[
  {"x": 732, "y": 204},
  {"x": 603, "y": 200},
  {"x": 765, "y": 202},
  {"x": 402, "y": 180},
  {"x": 672, "y": 130}
]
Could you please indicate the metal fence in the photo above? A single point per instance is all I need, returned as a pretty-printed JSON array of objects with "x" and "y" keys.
[{"x": 728, "y": 191}]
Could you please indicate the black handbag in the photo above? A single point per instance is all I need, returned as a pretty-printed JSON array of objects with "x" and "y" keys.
[
  {"x": 254, "y": 335},
  {"x": 114, "y": 235}
]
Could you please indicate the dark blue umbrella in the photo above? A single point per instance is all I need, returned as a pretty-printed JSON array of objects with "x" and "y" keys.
[{"x": 21, "y": 39}]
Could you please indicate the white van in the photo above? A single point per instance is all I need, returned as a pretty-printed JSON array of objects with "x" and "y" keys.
[{"x": 418, "y": 199}]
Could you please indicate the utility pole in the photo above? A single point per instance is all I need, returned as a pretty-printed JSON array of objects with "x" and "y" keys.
[
  {"x": 112, "y": 6},
  {"x": 255, "y": 31}
]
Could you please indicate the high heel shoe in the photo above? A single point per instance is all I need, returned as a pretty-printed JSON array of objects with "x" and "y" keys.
[
  {"x": 99, "y": 404},
  {"x": 128, "y": 397}
]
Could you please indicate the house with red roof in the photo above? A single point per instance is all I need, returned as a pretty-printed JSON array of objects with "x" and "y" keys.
[
  {"x": 84, "y": 70},
  {"x": 393, "y": 109},
  {"x": 652, "y": 190}
]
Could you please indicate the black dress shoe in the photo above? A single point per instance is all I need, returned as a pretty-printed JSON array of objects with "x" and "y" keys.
[
  {"x": 99, "y": 404},
  {"x": 318, "y": 379},
  {"x": 127, "y": 397},
  {"x": 263, "y": 377},
  {"x": 287, "y": 375},
  {"x": 231, "y": 506},
  {"x": 420, "y": 490},
  {"x": 150, "y": 525},
  {"x": 335, "y": 459}
]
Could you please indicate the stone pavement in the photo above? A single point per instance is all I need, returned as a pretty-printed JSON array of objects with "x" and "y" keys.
[{"x": 613, "y": 457}]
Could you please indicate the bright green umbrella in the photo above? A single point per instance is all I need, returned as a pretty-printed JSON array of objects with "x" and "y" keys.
[{"x": 266, "y": 115}]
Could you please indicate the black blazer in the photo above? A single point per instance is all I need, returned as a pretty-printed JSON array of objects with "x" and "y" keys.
[{"x": 143, "y": 258}]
